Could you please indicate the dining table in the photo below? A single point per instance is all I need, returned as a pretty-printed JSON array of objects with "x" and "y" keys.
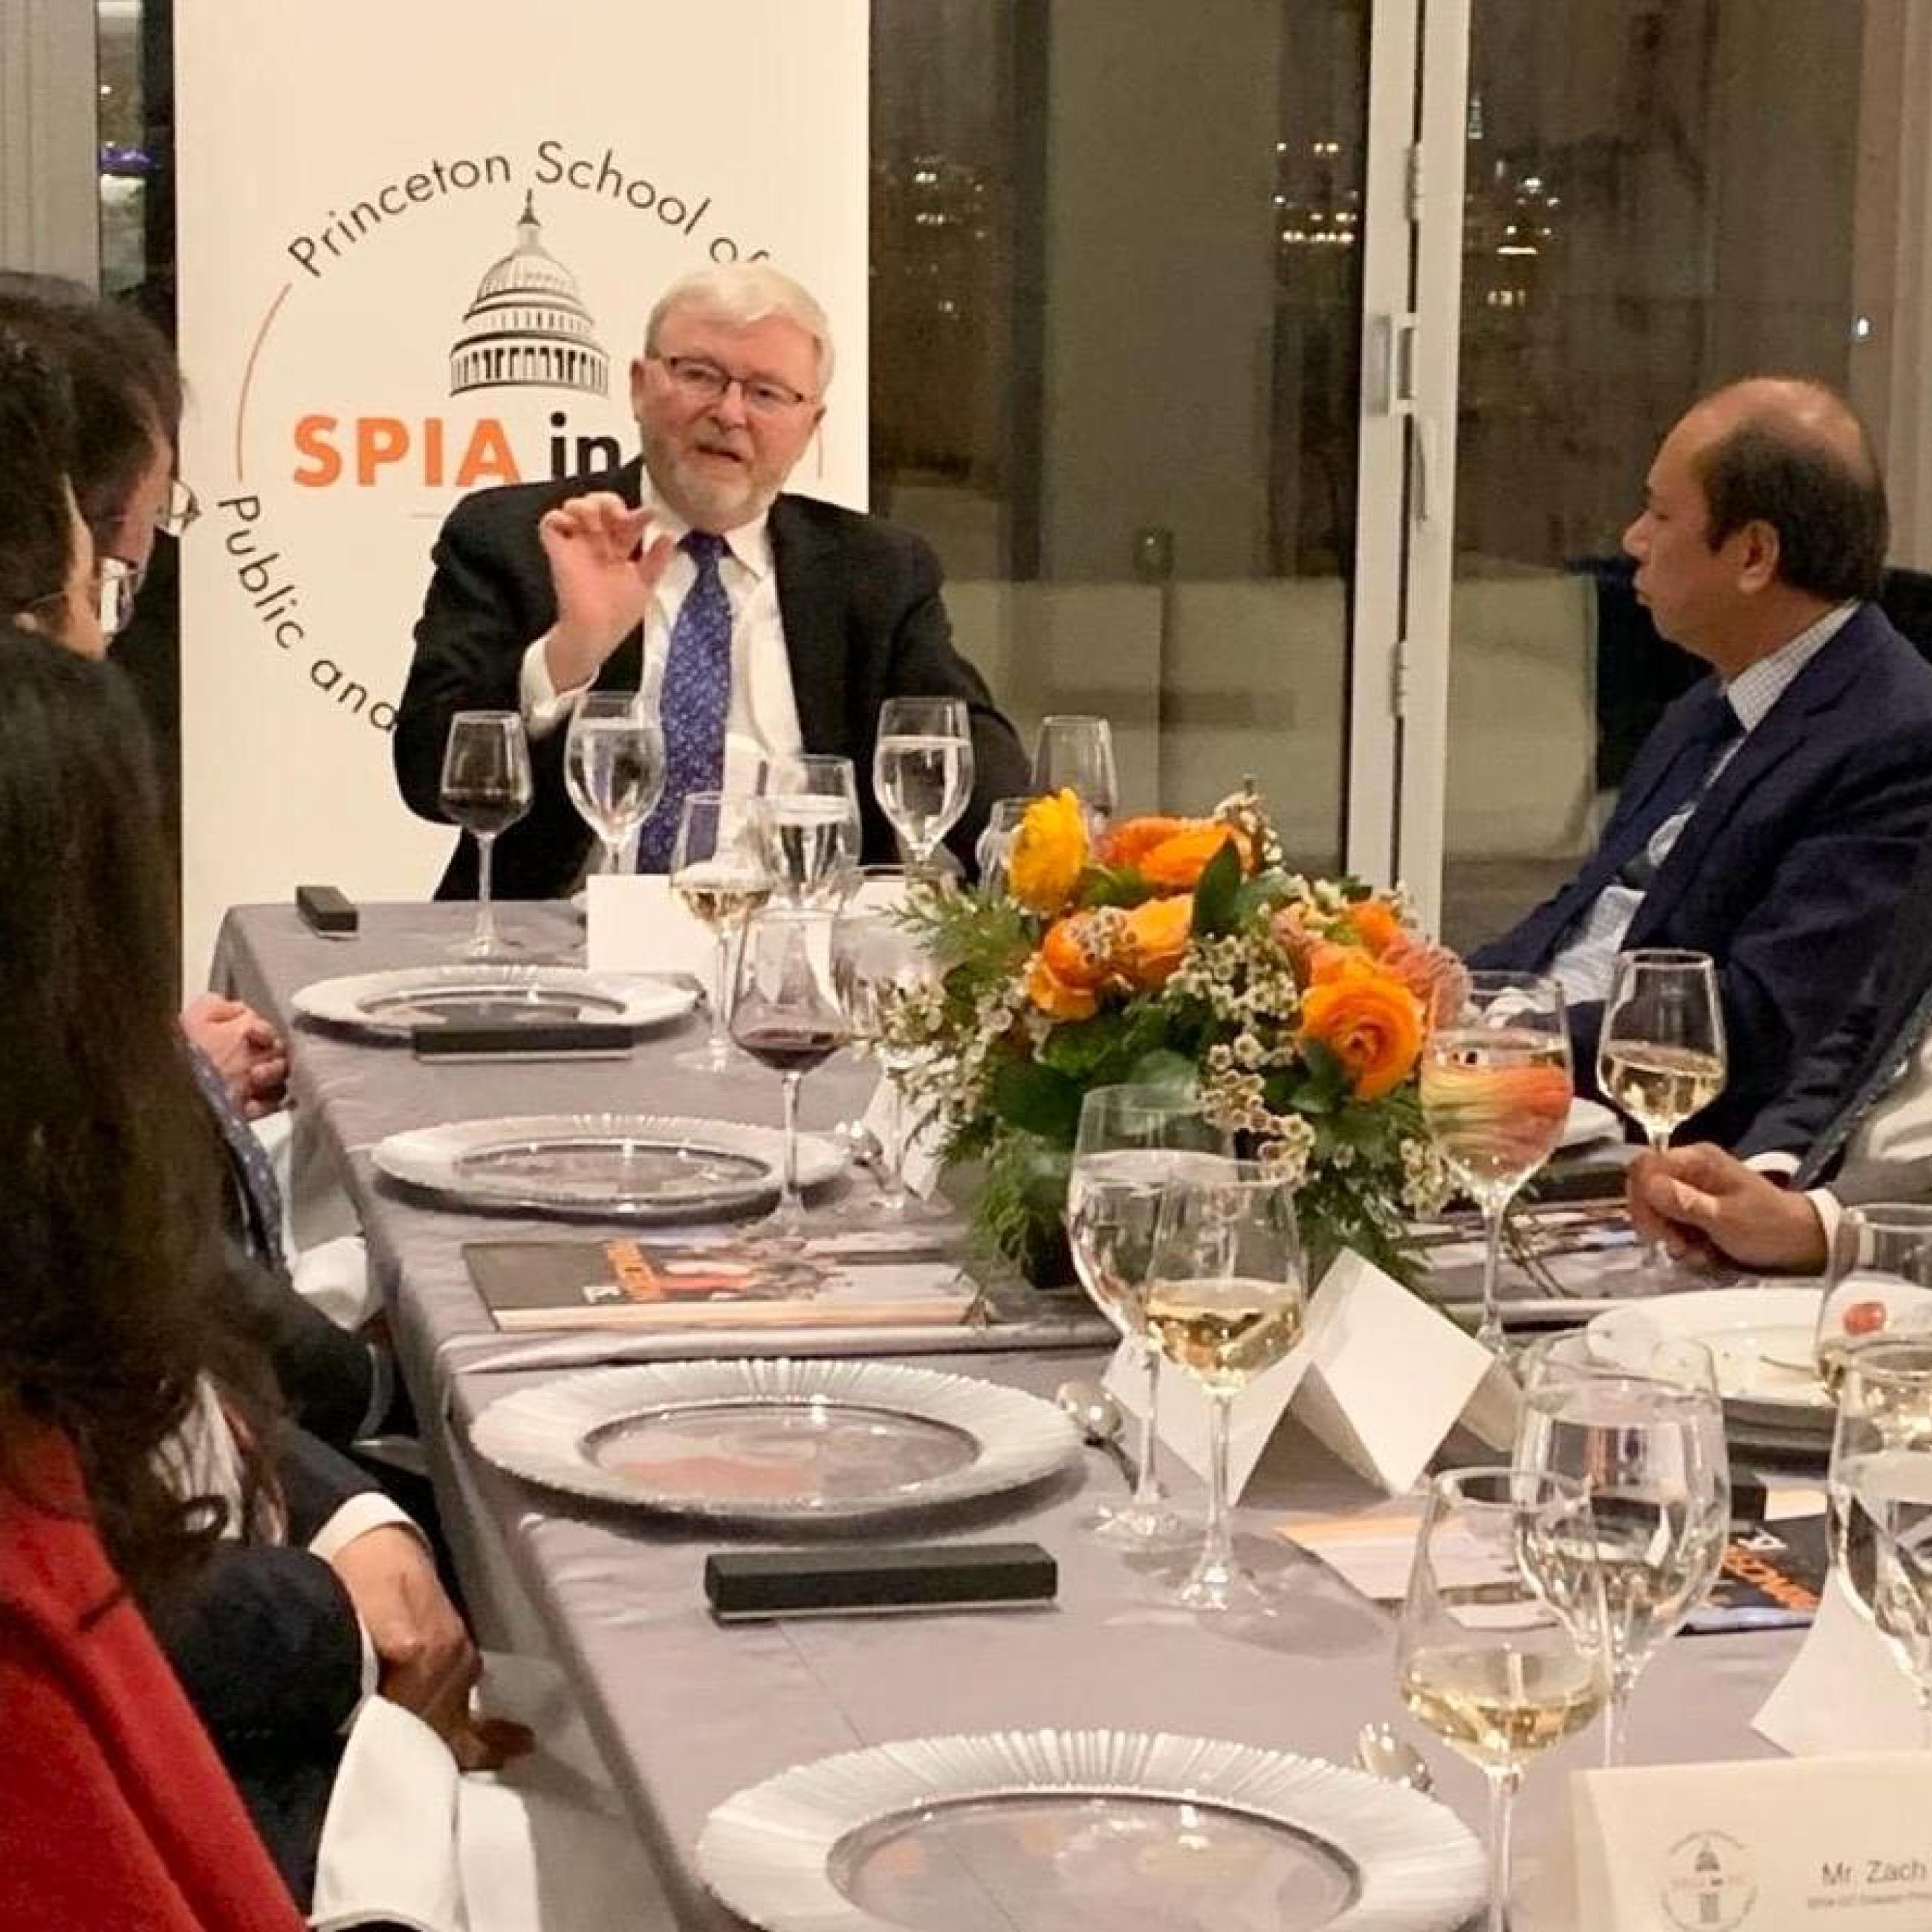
[{"x": 686, "y": 1711}]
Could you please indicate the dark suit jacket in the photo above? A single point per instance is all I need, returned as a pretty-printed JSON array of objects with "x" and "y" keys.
[
  {"x": 863, "y": 622},
  {"x": 1866, "y": 1036},
  {"x": 1789, "y": 870},
  {"x": 264, "y": 1641}
]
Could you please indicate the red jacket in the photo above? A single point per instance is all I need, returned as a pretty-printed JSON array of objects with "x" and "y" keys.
[{"x": 114, "y": 1812}]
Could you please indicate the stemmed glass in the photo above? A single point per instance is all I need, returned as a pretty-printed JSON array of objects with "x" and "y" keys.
[
  {"x": 1131, "y": 1142},
  {"x": 1879, "y": 1496},
  {"x": 1880, "y": 1284},
  {"x": 1495, "y": 1092},
  {"x": 1503, "y": 1648},
  {"x": 1646, "y": 1430},
  {"x": 787, "y": 1016},
  {"x": 813, "y": 799},
  {"x": 995, "y": 844},
  {"x": 721, "y": 867},
  {"x": 1076, "y": 754},
  {"x": 878, "y": 964},
  {"x": 922, "y": 770},
  {"x": 1225, "y": 1299},
  {"x": 613, "y": 766},
  {"x": 486, "y": 789}
]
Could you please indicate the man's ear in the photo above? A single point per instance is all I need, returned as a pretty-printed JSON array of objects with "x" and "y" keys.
[{"x": 1759, "y": 551}]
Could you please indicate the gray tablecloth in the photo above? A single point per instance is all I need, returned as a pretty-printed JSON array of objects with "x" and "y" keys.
[{"x": 687, "y": 1712}]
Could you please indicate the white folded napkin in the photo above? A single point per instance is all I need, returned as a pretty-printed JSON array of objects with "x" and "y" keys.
[{"x": 1844, "y": 1690}]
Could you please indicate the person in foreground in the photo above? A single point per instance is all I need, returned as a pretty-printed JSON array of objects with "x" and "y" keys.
[
  {"x": 775, "y": 622},
  {"x": 1772, "y": 818},
  {"x": 1855, "y": 1125}
]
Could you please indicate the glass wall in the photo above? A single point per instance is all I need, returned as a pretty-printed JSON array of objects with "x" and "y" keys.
[
  {"x": 1116, "y": 313},
  {"x": 1659, "y": 198}
]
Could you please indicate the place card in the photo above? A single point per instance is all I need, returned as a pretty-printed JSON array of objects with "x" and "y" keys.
[
  {"x": 1380, "y": 1378},
  {"x": 1844, "y": 1690},
  {"x": 1770, "y": 1847},
  {"x": 634, "y": 922}
]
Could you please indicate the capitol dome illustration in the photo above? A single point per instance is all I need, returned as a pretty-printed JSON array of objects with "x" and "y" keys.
[{"x": 528, "y": 327}]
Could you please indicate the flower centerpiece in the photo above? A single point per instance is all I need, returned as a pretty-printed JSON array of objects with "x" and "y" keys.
[{"x": 1182, "y": 950}]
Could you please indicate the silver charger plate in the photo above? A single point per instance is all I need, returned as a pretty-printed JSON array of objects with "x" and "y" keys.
[
  {"x": 391, "y": 1005},
  {"x": 1078, "y": 1831},
  {"x": 762, "y": 1441},
  {"x": 630, "y": 1167}
]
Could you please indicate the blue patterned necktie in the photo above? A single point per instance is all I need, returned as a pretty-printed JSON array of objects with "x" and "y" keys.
[
  {"x": 696, "y": 699},
  {"x": 257, "y": 1192}
]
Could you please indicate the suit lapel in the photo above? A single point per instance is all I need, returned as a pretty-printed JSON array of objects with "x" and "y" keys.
[
  {"x": 1819, "y": 686},
  {"x": 812, "y": 597}
]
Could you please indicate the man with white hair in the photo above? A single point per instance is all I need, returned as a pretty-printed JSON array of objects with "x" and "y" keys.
[{"x": 771, "y": 623}]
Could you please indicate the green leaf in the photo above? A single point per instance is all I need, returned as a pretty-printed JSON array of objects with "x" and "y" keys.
[
  {"x": 1113, "y": 885},
  {"x": 1217, "y": 893},
  {"x": 1164, "y": 1067},
  {"x": 1325, "y": 1085},
  {"x": 1037, "y": 1099}
]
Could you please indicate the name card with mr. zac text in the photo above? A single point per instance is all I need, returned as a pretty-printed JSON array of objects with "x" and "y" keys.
[{"x": 1787, "y": 1845}]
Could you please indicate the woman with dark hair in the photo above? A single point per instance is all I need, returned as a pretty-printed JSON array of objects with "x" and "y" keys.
[{"x": 117, "y": 1810}]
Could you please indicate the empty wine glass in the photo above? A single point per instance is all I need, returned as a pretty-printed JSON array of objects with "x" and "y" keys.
[
  {"x": 879, "y": 966},
  {"x": 787, "y": 1015},
  {"x": 922, "y": 770},
  {"x": 1644, "y": 1427},
  {"x": 1496, "y": 1089},
  {"x": 613, "y": 766},
  {"x": 813, "y": 799},
  {"x": 1225, "y": 1298},
  {"x": 1503, "y": 1649},
  {"x": 1879, "y": 1494},
  {"x": 486, "y": 788},
  {"x": 1076, "y": 754},
  {"x": 1878, "y": 1286},
  {"x": 1131, "y": 1142},
  {"x": 720, "y": 867},
  {"x": 995, "y": 844}
]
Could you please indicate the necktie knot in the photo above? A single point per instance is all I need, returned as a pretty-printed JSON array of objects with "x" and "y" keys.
[{"x": 704, "y": 546}]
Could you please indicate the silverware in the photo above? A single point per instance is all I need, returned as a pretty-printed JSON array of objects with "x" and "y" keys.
[
  {"x": 1098, "y": 1417},
  {"x": 1395, "y": 1761},
  {"x": 859, "y": 1142}
]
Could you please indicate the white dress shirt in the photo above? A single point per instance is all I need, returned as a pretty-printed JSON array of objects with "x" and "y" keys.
[
  {"x": 1582, "y": 965},
  {"x": 762, "y": 725}
]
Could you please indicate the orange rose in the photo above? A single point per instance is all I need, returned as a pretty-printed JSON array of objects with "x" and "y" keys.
[
  {"x": 1124, "y": 844},
  {"x": 1177, "y": 863},
  {"x": 1054, "y": 997},
  {"x": 1375, "y": 925},
  {"x": 1372, "y": 1023},
  {"x": 1435, "y": 976},
  {"x": 1156, "y": 933},
  {"x": 1049, "y": 853},
  {"x": 1079, "y": 949}
]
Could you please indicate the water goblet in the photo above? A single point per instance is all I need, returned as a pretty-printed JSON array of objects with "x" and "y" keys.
[
  {"x": 613, "y": 766},
  {"x": 1878, "y": 1285},
  {"x": 1076, "y": 753},
  {"x": 813, "y": 801},
  {"x": 922, "y": 770}
]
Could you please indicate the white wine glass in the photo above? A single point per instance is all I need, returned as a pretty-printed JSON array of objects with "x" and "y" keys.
[
  {"x": 486, "y": 788},
  {"x": 1131, "y": 1140},
  {"x": 1879, "y": 1494},
  {"x": 1644, "y": 1427},
  {"x": 720, "y": 867},
  {"x": 787, "y": 1015},
  {"x": 922, "y": 770},
  {"x": 1878, "y": 1285},
  {"x": 1076, "y": 753},
  {"x": 881, "y": 967},
  {"x": 1496, "y": 1089},
  {"x": 1225, "y": 1298},
  {"x": 613, "y": 766},
  {"x": 993, "y": 847},
  {"x": 813, "y": 800},
  {"x": 1503, "y": 1648}
]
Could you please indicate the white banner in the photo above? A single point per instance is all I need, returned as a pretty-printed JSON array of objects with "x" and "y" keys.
[{"x": 417, "y": 244}]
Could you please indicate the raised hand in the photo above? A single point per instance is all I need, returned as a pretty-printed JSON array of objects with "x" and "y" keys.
[
  {"x": 1705, "y": 1205},
  {"x": 603, "y": 567}
]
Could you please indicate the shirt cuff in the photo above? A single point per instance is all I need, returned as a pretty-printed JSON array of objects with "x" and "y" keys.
[
  {"x": 1827, "y": 1207},
  {"x": 366, "y": 1509},
  {"x": 544, "y": 707},
  {"x": 1780, "y": 1164}
]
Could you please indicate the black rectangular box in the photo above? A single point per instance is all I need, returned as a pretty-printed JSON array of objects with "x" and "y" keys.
[
  {"x": 548, "y": 1040},
  {"x": 868, "y": 1578}
]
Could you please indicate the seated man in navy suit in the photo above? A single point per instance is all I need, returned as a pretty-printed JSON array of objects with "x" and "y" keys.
[
  {"x": 772, "y": 623},
  {"x": 1773, "y": 817}
]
